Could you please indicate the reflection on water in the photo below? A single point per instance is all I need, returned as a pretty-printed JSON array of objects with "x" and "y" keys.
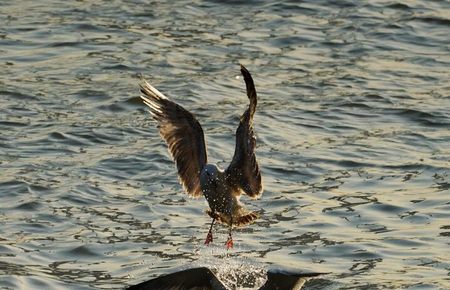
[{"x": 352, "y": 127}]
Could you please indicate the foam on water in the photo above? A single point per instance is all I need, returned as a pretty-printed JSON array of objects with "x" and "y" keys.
[{"x": 232, "y": 269}]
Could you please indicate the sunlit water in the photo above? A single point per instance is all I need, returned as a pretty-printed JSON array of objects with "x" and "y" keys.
[{"x": 353, "y": 128}]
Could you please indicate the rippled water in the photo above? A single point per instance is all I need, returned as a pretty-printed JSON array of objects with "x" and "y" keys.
[{"x": 352, "y": 125}]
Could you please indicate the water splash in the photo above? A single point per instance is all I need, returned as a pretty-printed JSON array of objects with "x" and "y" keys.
[{"x": 231, "y": 268}]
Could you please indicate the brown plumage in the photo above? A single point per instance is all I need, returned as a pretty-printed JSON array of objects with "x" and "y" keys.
[
  {"x": 182, "y": 133},
  {"x": 243, "y": 172},
  {"x": 184, "y": 137}
]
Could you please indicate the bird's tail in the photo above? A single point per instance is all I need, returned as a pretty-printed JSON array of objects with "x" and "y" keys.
[
  {"x": 240, "y": 219},
  {"x": 246, "y": 219}
]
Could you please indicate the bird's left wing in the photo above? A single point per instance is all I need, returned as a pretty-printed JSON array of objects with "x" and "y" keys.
[{"x": 183, "y": 135}]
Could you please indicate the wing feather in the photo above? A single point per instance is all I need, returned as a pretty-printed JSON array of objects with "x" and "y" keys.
[
  {"x": 183, "y": 135},
  {"x": 243, "y": 172}
]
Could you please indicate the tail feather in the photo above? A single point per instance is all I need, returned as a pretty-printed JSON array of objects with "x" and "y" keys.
[
  {"x": 246, "y": 219},
  {"x": 243, "y": 219}
]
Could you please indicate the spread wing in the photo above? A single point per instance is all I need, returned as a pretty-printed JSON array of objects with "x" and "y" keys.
[
  {"x": 183, "y": 135},
  {"x": 243, "y": 172}
]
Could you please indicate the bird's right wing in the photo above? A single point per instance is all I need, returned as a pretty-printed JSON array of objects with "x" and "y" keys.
[
  {"x": 243, "y": 172},
  {"x": 183, "y": 135}
]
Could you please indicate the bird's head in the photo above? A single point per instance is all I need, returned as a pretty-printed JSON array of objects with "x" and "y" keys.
[{"x": 209, "y": 174}]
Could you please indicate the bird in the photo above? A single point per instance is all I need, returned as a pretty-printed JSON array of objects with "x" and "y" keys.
[{"x": 222, "y": 189}]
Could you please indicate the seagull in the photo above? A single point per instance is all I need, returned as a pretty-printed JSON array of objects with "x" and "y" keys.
[{"x": 186, "y": 143}]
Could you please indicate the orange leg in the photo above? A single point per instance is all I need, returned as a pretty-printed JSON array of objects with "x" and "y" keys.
[
  {"x": 229, "y": 243},
  {"x": 209, "y": 237}
]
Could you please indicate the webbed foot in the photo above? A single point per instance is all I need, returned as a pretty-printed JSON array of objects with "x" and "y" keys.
[
  {"x": 209, "y": 238},
  {"x": 229, "y": 243}
]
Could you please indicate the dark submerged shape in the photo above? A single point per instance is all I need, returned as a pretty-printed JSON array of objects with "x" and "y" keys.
[
  {"x": 195, "y": 278},
  {"x": 204, "y": 279}
]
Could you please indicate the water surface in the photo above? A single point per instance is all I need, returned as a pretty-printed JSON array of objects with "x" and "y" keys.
[{"x": 352, "y": 124}]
